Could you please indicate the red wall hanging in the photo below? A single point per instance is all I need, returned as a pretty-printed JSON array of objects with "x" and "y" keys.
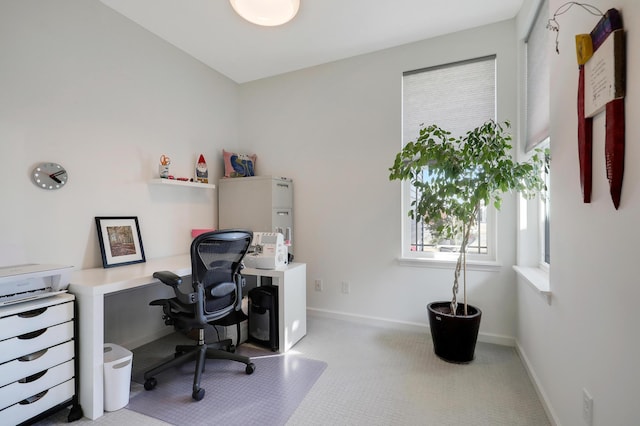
[{"x": 601, "y": 87}]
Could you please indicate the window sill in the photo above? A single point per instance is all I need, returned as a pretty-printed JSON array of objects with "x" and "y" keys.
[
  {"x": 472, "y": 265},
  {"x": 537, "y": 278}
]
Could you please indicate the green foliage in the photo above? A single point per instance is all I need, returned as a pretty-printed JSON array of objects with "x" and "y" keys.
[{"x": 454, "y": 176}]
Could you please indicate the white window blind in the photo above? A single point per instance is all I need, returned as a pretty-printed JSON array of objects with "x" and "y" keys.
[
  {"x": 538, "y": 72},
  {"x": 457, "y": 97}
]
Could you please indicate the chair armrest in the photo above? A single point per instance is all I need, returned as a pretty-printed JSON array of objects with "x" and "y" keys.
[
  {"x": 173, "y": 280},
  {"x": 169, "y": 278}
]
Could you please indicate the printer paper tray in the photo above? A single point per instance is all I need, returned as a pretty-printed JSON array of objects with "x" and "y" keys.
[{"x": 26, "y": 297}]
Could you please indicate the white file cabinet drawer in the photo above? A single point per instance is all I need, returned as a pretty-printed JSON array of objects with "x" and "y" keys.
[
  {"x": 282, "y": 193},
  {"x": 282, "y": 219},
  {"x": 29, "y": 343},
  {"x": 30, "y": 407},
  {"x": 35, "y": 362},
  {"x": 35, "y": 319}
]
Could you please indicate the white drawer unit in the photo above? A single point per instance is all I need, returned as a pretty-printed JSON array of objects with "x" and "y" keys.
[{"x": 37, "y": 365}]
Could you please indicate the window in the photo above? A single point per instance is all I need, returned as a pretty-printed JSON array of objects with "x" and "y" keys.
[
  {"x": 456, "y": 97},
  {"x": 545, "y": 213},
  {"x": 537, "y": 79}
]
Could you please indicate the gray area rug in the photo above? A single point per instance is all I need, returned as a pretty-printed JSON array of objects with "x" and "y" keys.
[
  {"x": 151, "y": 354},
  {"x": 269, "y": 396}
]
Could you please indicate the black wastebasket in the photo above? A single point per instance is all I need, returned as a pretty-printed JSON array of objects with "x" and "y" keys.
[{"x": 263, "y": 316}]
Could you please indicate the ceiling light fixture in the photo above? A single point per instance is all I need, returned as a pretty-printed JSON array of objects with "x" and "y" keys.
[{"x": 268, "y": 13}]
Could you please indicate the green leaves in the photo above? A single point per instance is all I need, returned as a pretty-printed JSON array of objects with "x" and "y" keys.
[{"x": 455, "y": 175}]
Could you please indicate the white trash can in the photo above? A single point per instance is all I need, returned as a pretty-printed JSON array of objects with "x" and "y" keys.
[{"x": 117, "y": 376}]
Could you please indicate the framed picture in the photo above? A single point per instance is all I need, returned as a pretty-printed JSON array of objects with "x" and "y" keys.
[{"x": 120, "y": 241}]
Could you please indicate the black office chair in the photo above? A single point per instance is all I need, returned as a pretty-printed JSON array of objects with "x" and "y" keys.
[{"x": 216, "y": 261}]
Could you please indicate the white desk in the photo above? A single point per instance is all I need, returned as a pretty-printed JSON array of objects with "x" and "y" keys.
[{"x": 91, "y": 285}]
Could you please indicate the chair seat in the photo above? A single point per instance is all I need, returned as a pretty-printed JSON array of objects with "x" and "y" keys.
[{"x": 233, "y": 318}]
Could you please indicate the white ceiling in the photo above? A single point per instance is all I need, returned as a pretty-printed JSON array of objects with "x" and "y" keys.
[{"x": 323, "y": 31}]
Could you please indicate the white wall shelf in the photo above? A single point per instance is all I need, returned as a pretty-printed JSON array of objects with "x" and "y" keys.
[{"x": 176, "y": 182}]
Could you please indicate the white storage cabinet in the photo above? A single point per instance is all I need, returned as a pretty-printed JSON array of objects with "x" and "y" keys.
[
  {"x": 257, "y": 203},
  {"x": 37, "y": 370}
]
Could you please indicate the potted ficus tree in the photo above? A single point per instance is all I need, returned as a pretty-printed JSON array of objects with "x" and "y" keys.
[{"x": 453, "y": 178}]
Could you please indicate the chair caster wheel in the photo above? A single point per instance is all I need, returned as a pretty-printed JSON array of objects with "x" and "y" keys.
[
  {"x": 150, "y": 384},
  {"x": 198, "y": 394},
  {"x": 251, "y": 367}
]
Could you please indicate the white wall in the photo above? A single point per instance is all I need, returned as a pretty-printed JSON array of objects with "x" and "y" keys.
[
  {"x": 82, "y": 86},
  {"x": 335, "y": 129},
  {"x": 587, "y": 337},
  {"x": 87, "y": 88}
]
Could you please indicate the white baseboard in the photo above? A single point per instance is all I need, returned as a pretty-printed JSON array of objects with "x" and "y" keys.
[
  {"x": 496, "y": 339},
  {"x": 546, "y": 404},
  {"x": 403, "y": 325},
  {"x": 363, "y": 319}
]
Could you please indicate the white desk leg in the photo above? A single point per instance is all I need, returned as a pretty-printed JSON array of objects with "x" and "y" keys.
[
  {"x": 292, "y": 307},
  {"x": 278, "y": 283},
  {"x": 91, "y": 342}
]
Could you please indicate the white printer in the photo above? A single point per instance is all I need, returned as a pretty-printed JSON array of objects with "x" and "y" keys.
[
  {"x": 267, "y": 251},
  {"x": 20, "y": 283}
]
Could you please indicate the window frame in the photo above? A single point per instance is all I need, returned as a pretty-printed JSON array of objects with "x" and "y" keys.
[
  {"x": 531, "y": 266},
  {"x": 544, "y": 216},
  {"x": 481, "y": 261},
  {"x": 538, "y": 137}
]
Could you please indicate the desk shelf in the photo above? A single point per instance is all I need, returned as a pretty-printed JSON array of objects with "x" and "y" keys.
[{"x": 176, "y": 182}]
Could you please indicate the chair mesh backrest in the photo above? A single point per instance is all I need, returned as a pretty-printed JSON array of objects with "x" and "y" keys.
[{"x": 216, "y": 260}]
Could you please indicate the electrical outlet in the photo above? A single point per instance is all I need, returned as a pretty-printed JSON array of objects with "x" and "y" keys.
[
  {"x": 346, "y": 287},
  {"x": 587, "y": 408},
  {"x": 318, "y": 285}
]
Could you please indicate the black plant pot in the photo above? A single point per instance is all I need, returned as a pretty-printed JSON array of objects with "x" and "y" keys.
[{"x": 454, "y": 337}]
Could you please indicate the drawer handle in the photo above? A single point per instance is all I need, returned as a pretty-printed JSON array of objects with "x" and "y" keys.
[
  {"x": 32, "y": 335},
  {"x": 32, "y": 356},
  {"x": 283, "y": 185},
  {"x": 282, "y": 213},
  {"x": 33, "y": 377},
  {"x": 33, "y": 313},
  {"x": 33, "y": 398}
]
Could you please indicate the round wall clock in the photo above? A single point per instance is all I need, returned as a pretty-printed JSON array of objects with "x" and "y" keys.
[{"x": 49, "y": 176}]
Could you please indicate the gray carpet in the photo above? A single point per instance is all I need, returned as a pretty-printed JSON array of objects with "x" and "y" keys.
[
  {"x": 379, "y": 376},
  {"x": 267, "y": 397},
  {"x": 385, "y": 376}
]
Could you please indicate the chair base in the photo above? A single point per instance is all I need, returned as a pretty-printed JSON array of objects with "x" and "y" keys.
[{"x": 200, "y": 352}]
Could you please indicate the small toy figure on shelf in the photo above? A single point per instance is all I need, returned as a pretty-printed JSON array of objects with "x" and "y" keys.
[
  {"x": 163, "y": 168},
  {"x": 202, "y": 174}
]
